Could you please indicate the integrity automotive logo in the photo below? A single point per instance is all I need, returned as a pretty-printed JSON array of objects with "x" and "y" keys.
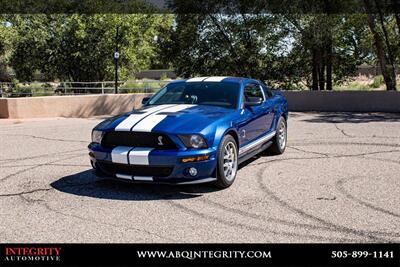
[{"x": 31, "y": 254}]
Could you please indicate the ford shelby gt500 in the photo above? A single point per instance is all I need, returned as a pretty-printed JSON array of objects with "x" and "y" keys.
[{"x": 192, "y": 131}]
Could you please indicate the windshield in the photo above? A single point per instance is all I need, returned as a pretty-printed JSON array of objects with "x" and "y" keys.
[{"x": 200, "y": 93}]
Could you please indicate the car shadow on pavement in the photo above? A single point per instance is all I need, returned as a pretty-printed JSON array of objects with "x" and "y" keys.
[
  {"x": 87, "y": 184},
  {"x": 349, "y": 117}
]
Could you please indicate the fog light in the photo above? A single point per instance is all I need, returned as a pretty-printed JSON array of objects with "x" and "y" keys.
[{"x": 193, "y": 171}]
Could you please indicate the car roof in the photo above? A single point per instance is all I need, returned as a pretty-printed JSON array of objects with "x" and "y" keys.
[{"x": 215, "y": 79}]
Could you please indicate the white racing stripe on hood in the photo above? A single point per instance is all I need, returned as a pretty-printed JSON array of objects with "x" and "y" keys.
[
  {"x": 132, "y": 119},
  {"x": 120, "y": 154},
  {"x": 140, "y": 156},
  {"x": 148, "y": 123}
]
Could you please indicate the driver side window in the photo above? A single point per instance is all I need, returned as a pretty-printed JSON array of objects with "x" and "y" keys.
[{"x": 253, "y": 90}]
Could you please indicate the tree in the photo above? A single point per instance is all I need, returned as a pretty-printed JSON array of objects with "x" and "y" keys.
[
  {"x": 6, "y": 40},
  {"x": 381, "y": 43},
  {"x": 234, "y": 43},
  {"x": 287, "y": 49},
  {"x": 80, "y": 47}
]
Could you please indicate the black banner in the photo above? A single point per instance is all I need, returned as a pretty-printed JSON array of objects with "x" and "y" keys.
[{"x": 200, "y": 254}]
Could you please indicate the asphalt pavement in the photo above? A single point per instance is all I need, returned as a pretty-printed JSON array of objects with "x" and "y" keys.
[{"x": 338, "y": 181}]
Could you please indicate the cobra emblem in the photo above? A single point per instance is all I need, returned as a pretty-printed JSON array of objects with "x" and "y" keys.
[{"x": 160, "y": 142}]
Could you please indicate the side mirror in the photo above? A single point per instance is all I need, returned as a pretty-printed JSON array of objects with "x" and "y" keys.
[
  {"x": 253, "y": 101},
  {"x": 145, "y": 100}
]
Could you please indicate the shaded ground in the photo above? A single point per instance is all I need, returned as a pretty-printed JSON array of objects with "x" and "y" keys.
[{"x": 338, "y": 181}]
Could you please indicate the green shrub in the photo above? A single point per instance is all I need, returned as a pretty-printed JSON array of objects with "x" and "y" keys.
[
  {"x": 378, "y": 81},
  {"x": 164, "y": 77}
]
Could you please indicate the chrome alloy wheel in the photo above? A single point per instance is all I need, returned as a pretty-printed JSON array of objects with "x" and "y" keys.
[
  {"x": 282, "y": 135},
  {"x": 230, "y": 161}
]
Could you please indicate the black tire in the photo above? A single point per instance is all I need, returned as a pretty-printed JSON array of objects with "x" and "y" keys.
[
  {"x": 278, "y": 144},
  {"x": 225, "y": 180}
]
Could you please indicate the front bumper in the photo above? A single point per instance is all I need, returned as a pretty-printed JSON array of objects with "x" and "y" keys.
[{"x": 154, "y": 166}]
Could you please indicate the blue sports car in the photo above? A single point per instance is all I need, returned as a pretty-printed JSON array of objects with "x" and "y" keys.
[{"x": 192, "y": 131}]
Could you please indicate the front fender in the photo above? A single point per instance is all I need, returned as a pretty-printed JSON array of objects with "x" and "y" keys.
[{"x": 222, "y": 131}]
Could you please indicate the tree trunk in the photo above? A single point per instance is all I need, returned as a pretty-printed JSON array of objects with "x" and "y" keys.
[
  {"x": 397, "y": 16},
  {"x": 329, "y": 64},
  {"x": 380, "y": 51},
  {"x": 396, "y": 8},
  {"x": 314, "y": 70},
  {"x": 321, "y": 69},
  {"x": 390, "y": 57}
]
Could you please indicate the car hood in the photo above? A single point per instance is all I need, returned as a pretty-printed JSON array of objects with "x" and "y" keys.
[{"x": 175, "y": 119}]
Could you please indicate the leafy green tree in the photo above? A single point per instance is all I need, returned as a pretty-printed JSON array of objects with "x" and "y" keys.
[
  {"x": 80, "y": 47},
  {"x": 6, "y": 48},
  {"x": 226, "y": 44}
]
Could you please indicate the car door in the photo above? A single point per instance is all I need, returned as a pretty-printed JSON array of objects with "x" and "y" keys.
[
  {"x": 253, "y": 119},
  {"x": 270, "y": 106}
]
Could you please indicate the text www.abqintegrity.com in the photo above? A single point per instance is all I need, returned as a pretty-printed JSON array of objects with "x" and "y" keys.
[{"x": 204, "y": 254}]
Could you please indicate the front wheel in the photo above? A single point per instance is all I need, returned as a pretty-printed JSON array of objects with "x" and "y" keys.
[
  {"x": 280, "y": 139},
  {"x": 227, "y": 162}
]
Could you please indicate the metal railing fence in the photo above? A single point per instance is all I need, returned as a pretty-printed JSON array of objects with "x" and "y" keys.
[{"x": 9, "y": 89}]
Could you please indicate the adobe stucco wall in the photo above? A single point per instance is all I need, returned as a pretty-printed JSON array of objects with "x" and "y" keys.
[
  {"x": 92, "y": 105},
  {"x": 345, "y": 101},
  {"x": 68, "y": 106}
]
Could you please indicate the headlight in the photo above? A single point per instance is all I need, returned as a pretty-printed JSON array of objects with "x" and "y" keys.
[
  {"x": 193, "y": 141},
  {"x": 97, "y": 136}
]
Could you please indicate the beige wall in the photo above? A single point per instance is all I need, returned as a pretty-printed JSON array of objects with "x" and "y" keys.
[
  {"x": 92, "y": 105},
  {"x": 68, "y": 106},
  {"x": 351, "y": 101}
]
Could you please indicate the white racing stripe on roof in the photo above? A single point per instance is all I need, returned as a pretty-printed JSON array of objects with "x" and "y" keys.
[
  {"x": 120, "y": 154},
  {"x": 147, "y": 124},
  {"x": 132, "y": 119},
  {"x": 197, "y": 79},
  {"x": 215, "y": 79},
  {"x": 140, "y": 155}
]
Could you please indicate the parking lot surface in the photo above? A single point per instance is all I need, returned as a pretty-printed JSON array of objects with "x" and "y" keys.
[{"x": 338, "y": 181}]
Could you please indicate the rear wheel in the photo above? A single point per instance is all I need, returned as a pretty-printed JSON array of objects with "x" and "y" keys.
[
  {"x": 280, "y": 139},
  {"x": 227, "y": 162}
]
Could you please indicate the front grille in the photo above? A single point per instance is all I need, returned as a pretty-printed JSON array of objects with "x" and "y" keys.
[
  {"x": 135, "y": 170},
  {"x": 137, "y": 139}
]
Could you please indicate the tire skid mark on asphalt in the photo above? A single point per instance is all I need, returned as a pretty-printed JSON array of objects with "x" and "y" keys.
[
  {"x": 329, "y": 155},
  {"x": 341, "y": 138},
  {"x": 50, "y": 164},
  {"x": 361, "y": 155},
  {"x": 340, "y": 187},
  {"x": 342, "y": 143},
  {"x": 286, "y": 222},
  {"x": 87, "y": 219},
  {"x": 307, "y": 151},
  {"x": 2, "y": 179},
  {"x": 50, "y": 139},
  {"x": 255, "y": 228},
  {"x": 343, "y": 131},
  {"x": 338, "y": 228},
  {"x": 26, "y": 192},
  {"x": 47, "y": 155},
  {"x": 32, "y": 191},
  {"x": 384, "y": 160}
]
